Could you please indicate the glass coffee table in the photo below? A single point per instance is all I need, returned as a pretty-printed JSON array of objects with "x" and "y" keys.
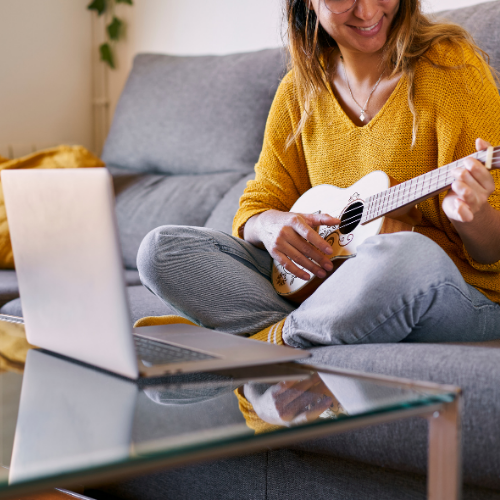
[{"x": 64, "y": 423}]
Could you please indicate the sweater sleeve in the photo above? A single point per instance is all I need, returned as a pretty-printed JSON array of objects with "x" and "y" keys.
[
  {"x": 473, "y": 112},
  {"x": 281, "y": 172}
]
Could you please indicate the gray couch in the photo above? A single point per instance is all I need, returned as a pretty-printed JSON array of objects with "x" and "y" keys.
[{"x": 186, "y": 135}]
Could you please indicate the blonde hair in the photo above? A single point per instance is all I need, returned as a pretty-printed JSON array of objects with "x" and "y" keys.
[{"x": 411, "y": 35}]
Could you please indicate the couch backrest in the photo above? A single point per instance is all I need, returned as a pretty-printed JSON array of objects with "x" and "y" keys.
[
  {"x": 194, "y": 115},
  {"x": 482, "y": 22}
]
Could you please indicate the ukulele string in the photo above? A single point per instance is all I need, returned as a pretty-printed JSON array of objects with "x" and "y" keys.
[
  {"x": 349, "y": 220},
  {"x": 431, "y": 181}
]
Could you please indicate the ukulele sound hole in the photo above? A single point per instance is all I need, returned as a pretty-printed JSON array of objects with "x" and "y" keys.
[{"x": 351, "y": 218}]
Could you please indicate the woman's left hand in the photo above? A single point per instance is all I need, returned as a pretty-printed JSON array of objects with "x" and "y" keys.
[{"x": 471, "y": 189}]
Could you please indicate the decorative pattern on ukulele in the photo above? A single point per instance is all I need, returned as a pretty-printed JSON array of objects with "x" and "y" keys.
[
  {"x": 283, "y": 275},
  {"x": 343, "y": 239},
  {"x": 325, "y": 231},
  {"x": 328, "y": 234}
]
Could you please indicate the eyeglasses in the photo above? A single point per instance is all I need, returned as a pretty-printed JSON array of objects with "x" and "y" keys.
[{"x": 339, "y": 6}]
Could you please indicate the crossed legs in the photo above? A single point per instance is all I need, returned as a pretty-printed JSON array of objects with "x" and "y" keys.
[{"x": 399, "y": 287}]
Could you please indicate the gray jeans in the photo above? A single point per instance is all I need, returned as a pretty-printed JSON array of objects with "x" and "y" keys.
[{"x": 399, "y": 287}]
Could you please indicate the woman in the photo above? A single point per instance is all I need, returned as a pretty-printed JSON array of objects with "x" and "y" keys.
[{"x": 374, "y": 85}]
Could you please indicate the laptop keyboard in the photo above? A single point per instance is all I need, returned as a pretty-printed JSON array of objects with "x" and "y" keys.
[{"x": 158, "y": 353}]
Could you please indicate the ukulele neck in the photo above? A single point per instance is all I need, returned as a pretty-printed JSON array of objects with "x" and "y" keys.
[{"x": 409, "y": 193}]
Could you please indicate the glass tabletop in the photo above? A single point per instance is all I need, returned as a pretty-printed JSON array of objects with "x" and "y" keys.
[{"x": 64, "y": 422}]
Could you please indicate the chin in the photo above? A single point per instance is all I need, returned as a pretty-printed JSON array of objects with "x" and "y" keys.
[
  {"x": 369, "y": 49},
  {"x": 370, "y": 45}
]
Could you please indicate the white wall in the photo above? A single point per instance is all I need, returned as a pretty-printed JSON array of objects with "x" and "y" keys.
[
  {"x": 206, "y": 27},
  {"x": 45, "y": 75}
]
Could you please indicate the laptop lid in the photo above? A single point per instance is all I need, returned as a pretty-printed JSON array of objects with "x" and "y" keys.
[{"x": 69, "y": 266}]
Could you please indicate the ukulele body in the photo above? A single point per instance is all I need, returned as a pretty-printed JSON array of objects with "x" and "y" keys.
[{"x": 346, "y": 204}]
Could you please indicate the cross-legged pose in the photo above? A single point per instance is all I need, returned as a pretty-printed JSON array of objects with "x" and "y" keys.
[{"x": 373, "y": 85}]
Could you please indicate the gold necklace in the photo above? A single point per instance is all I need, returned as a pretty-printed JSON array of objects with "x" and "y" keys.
[{"x": 363, "y": 109}]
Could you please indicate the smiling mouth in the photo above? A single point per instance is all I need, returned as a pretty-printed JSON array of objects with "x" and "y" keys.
[{"x": 368, "y": 28}]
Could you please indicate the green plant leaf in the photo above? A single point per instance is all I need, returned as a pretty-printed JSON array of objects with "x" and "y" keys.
[
  {"x": 99, "y": 6},
  {"x": 107, "y": 55},
  {"x": 114, "y": 29},
  {"x": 129, "y": 2}
]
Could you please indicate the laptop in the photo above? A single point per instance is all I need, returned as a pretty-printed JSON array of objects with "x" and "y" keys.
[{"x": 71, "y": 281}]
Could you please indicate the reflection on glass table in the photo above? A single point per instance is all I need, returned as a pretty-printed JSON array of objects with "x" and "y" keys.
[
  {"x": 73, "y": 417},
  {"x": 66, "y": 423},
  {"x": 319, "y": 395}
]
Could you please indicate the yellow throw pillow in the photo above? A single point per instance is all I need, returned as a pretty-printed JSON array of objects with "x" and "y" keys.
[
  {"x": 13, "y": 347},
  {"x": 59, "y": 157}
]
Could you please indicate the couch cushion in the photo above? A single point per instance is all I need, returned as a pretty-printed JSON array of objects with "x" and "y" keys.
[
  {"x": 12, "y": 308},
  {"x": 147, "y": 201},
  {"x": 223, "y": 214},
  {"x": 278, "y": 475},
  {"x": 243, "y": 478},
  {"x": 481, "y": 21},
  {"x": 403, "y": 445},
  {"x": 192, "y": 115},
  {"x": 9, "y": 288},
  {"x": 297, "y": 475},
  {"x": 143, "y": 302},
  {"x": 132, "y": 277}
]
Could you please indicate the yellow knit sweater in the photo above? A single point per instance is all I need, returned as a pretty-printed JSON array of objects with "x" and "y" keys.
[{"x": 455, "y": 107}]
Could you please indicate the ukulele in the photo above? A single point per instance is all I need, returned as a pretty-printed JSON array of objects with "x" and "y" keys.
[{"x": 376, "y": 204}]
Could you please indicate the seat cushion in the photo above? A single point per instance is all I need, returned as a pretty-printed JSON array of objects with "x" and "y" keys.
[
  {"x": 194, "y": 115},
  {"x": 147, "y": 201},
  {"x": 12, "y": 308},
  {"x": 143, "y": 302},
  {"x": 132, "y": 277},
  {"x": 242, "y": 478},
  {"x": 278, "y": 475}
]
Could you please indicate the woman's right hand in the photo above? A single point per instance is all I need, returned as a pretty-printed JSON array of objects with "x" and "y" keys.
[
  {"x": 290, "y": 240},
  {"x": 289, "y": 403}
]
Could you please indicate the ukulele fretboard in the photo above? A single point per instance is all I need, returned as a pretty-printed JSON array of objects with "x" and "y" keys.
[{"x": 420, "y": 188}]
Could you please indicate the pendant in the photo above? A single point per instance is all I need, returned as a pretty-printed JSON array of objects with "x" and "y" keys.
[{"x": 362, "y": 116}]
